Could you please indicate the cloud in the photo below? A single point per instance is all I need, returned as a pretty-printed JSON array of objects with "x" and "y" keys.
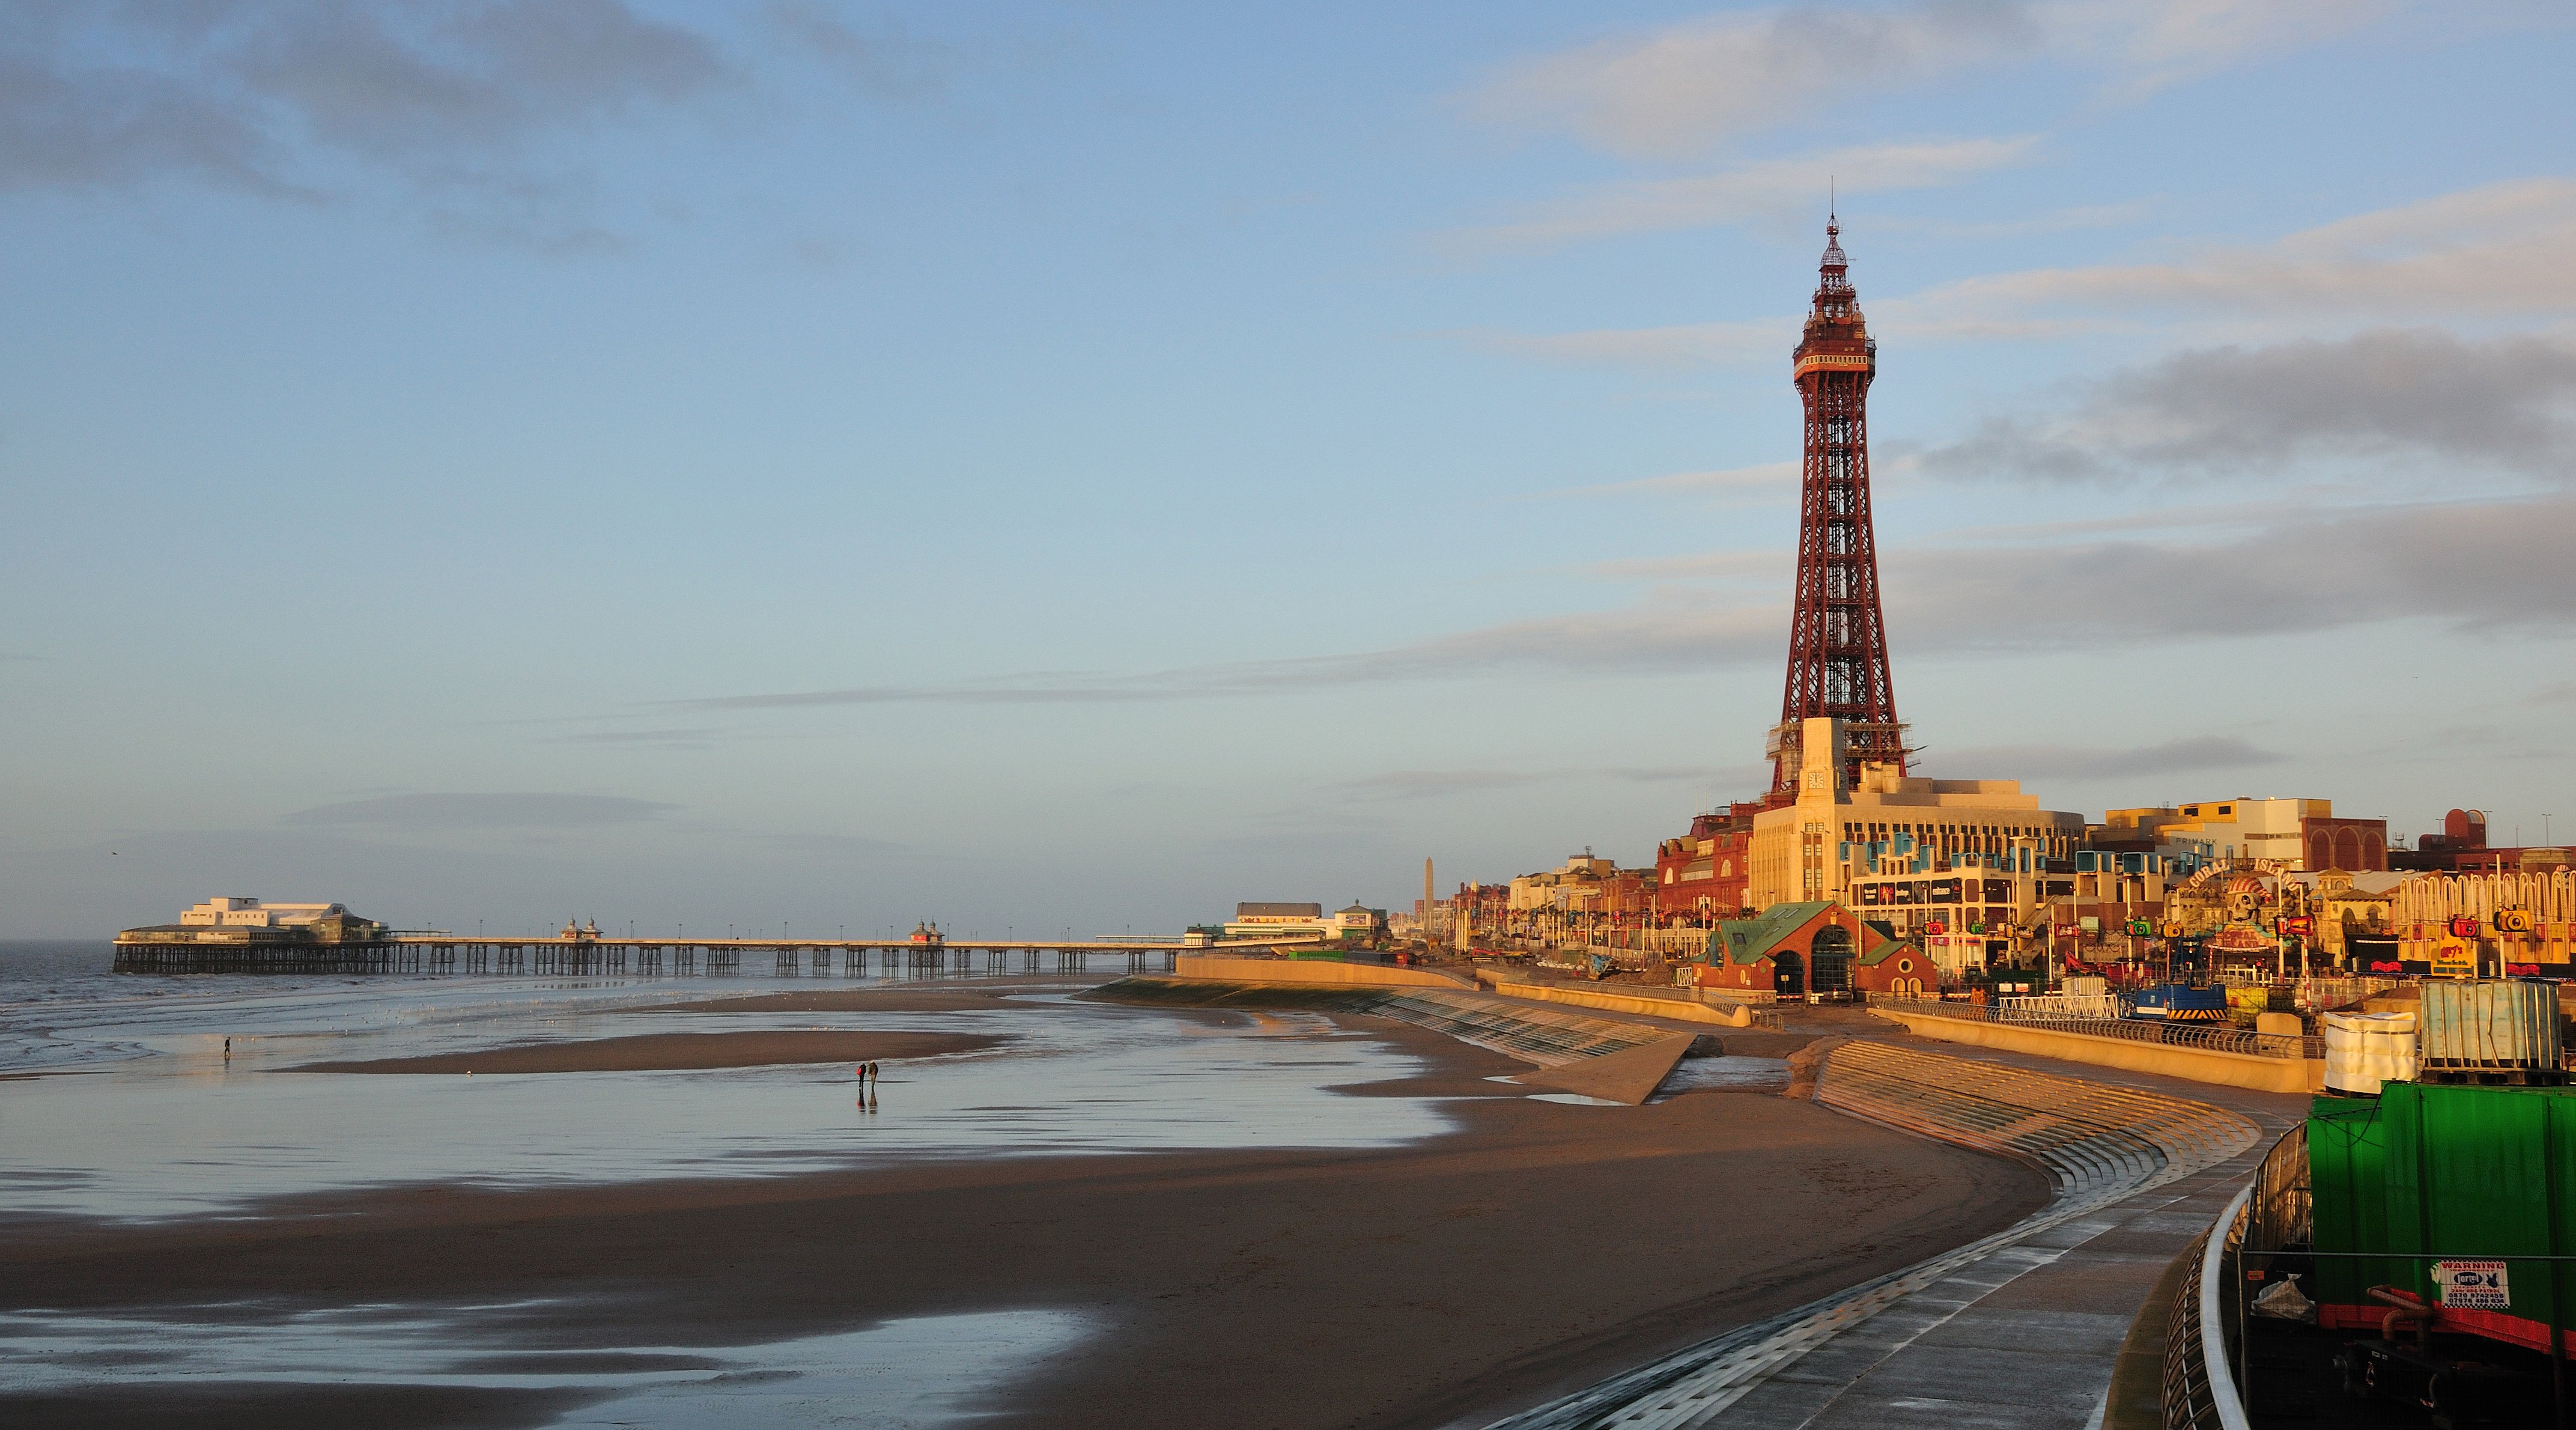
[
  {"x": 884, "y": 64},
  {"x": 2478, "y": 568},
  {"x": 1441, "y": 784},
  {"x": 2177, "y": 756},
  {"x": 1435, "y": 784},
  {"x": 2475, "y": 567},
  {"x": 1684, "y": 345},
  {"x": 398, "y": 81},
  {"x": 2502, "y": 250},
  {"x": 1679, "y": 89},
  {"x": 1770, "y": 192},
  {"x": 1774, "y": 477},
  {"x": 1675, "y": 630},
  {"x": 446, "y": 96},
  {"x": 694, "y": 738},
  {"x": 2066, "y": 220},
  {"x": 1684, "y": 88},
  {"x": 1771, "y": 566},
  {"x": 481, "y": 811},
  {"x": 2418, "y": 394}
]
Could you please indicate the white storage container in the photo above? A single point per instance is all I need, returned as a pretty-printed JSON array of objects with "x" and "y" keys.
[
  {"x": 2489, "y": 1027},
  {"x": 2364, "y": 1050}
]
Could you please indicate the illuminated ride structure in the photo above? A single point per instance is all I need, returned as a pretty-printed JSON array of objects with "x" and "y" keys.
[{"x": 1837, "y": 636}]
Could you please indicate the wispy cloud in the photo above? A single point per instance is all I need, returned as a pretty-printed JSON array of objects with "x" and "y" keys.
[
  {"x": 1769, "y": 477},
  {"x": 2410, "y": 395},
  {"x": 449, "y": 97},
  {"x": 481, "y": 811},
  {"x": 1770, "y": 192},
  {"x": 2065, "y": 220},
  {"x": 1772, "y": 567},
  {"x": 2501, "y": 250},
  {"x": 1685, "y": 88},
  {"x": 880, "y": 60},
  {"x": 1446, "y": 784},
  {"x": 693, "y": 738},
  {"x": 2475, "y": 567},
  {"x": 2183, "y": 755},
  {"x": 1682, "y": 345}
]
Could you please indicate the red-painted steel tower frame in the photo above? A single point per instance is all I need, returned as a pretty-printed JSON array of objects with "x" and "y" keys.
[{"x": 1837, "y": 634}]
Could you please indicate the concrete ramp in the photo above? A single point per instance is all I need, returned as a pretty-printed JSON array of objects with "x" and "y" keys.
[{"x": 1630, "y": 1075}]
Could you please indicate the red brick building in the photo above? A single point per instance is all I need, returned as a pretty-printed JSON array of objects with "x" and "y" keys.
[
  {"x": 2461, "y": 848},
  {"x": 1700, "y": 877},
  {"x": 1796, "y": 949}
]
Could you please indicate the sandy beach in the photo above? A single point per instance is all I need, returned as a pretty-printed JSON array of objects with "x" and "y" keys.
[{"x": 1537, "y": 1247}]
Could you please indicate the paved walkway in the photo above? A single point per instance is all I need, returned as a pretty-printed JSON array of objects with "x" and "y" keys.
[{"x": 2023, "y": 1329}]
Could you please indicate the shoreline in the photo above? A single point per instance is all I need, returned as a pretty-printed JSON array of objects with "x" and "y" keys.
[
  {"x": 1534, "y": 1248},
  {"x": 672, "y": 1052}
]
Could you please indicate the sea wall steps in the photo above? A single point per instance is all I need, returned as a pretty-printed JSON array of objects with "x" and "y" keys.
[{"x": 2225, "y": 1069}]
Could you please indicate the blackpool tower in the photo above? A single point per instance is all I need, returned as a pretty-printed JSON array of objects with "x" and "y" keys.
[{"x": 1837, "y": 637}]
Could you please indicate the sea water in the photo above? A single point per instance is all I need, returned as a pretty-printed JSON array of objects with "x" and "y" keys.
[
  {"x": 118, "y": 1099},
  {"x": 119, "y": 1103}
]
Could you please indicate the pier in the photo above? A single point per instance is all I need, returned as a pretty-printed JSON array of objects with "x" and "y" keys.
[{"x": 444, "y": 953}]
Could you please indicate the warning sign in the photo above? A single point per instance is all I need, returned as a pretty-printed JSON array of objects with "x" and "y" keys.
[{"x": 2473, "y": 1285}]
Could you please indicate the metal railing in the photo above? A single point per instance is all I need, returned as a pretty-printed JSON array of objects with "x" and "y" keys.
[
  {"x": 2208, "y": 1037},
  {"x": 2063, "y": 1005}
]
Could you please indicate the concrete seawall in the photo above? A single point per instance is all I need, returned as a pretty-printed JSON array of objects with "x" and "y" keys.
[
  {"x": 1686, "y": 1010},
  {"x": 2290, "y": 1075},
  {"x": 1612, "y": 1059}
]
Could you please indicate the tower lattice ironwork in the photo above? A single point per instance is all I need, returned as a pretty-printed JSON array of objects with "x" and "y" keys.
[{"x": 1837, "y": 635}]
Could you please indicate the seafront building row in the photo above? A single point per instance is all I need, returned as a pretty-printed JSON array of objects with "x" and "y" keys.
[{"x": 1906, "y": 885}]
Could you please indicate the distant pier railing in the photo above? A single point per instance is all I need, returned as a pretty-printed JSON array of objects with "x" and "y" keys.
[{"x": 440, "y": 953}]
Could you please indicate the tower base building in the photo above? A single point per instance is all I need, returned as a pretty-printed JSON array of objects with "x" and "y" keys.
[{"x": 1838, "y": 832}]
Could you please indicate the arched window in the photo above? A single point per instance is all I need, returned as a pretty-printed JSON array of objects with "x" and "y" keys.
[{"x": 1829, "y": 956}]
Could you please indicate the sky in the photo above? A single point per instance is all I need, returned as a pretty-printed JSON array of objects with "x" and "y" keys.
[{"x": 1069, "y": 468}]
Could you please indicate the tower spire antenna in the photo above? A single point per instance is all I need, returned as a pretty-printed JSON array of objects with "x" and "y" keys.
[{"x": 1833, "y": 206}]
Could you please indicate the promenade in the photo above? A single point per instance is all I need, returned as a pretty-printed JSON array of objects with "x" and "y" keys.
[{"x": 2029, "y": 1329}]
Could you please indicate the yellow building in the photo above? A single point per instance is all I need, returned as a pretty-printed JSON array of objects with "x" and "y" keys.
[{"x": 1815, "y": 848}]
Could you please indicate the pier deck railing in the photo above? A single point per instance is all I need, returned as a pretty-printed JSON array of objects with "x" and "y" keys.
[{"x": 432, "y": 952}]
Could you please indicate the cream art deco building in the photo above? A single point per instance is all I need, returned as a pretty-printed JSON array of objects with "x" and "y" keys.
[{"x": 1816, "y": 847}]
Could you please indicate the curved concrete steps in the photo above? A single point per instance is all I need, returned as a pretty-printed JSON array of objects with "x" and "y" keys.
[{"x": 2101, "y": 1144}]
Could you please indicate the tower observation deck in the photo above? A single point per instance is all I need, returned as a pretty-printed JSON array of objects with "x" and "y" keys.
[{"x": 1837, "y": 635}]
